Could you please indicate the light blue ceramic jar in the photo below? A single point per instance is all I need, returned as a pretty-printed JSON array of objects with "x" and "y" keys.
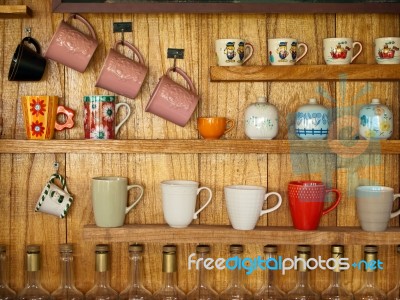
[
  {"x": 312, "y": 121},
  {"x": 376, "y": 121}
]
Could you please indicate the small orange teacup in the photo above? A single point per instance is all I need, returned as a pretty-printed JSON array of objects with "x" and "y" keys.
[{"x": 212, "y": 128}]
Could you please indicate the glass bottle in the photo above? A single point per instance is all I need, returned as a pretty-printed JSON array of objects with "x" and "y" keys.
[
  {"x": 6, "y": 293},
  {"x": 169, "y": 289},
  {"x": 135, "y": 290},
  {"x": 269, "y": 290},
  {"x": 236, "y": 289},
  {"x": 102, "y": 289},
  {"x": 67, "y": 289},
  {"x": 303, "y": 290},
  {"x": 369, "y": 290},
  {"x": 202, "y": 291},
  {"x": 33, "y": 289},
  {"x": 336, "y": 291},
  {"x": 394, "y": 294}
]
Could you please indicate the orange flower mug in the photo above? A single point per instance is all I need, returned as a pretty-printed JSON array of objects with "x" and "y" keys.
[
  {"x": 40, "y": 116},
  {"x": 213, "y": 128}
]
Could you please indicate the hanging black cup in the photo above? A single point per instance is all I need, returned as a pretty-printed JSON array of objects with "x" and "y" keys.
[{"x": 27, "y": 64}]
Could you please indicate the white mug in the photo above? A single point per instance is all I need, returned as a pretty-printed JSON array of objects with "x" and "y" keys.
[
  {"x": 179, "y": 201},
  {"x": 374, "y": 207},
  {"x": 387, "y": 50},
  {"x": 232, "y": 52},
  {"x": 244, "y": 204},
  {"x": 340, "y": 51},
  {"x": 284, "y": 51}
]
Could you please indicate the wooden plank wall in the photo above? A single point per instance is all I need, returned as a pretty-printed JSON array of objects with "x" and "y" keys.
[{"x": 23, "y": 176}]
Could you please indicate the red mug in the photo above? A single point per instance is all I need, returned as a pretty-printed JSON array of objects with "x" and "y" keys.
[{"x": 306, "y": 202}]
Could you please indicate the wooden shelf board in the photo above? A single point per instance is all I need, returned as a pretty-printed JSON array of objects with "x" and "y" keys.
[
  {"x": 361, "y": 72},
  {"x": 348, "y": 148},
  {"x": 226, "y": 234},
  {"x": 15, "y": 11}
]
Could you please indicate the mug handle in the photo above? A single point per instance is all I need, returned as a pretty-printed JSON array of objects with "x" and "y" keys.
[
  {"x": 70, "y": 113},
  {"x": 263, "y": 212},
  {"x": 32, "y": 41},
  {"x": 359, "y": 51},
  {"x": 184, "y": 75},
  {"x": 302, "y": 45},
  {"x": 336, "y": 203},
  {"x": 208, "y": 201},
  {"x": 84, "y": 21},
  {"x": 251, "y": 49},
  {"x": 117, "y": 106},
  {"x": 128, "y": 209},
  {"x": 130, "y": 46},
  {"x": 231, "y": 123},
  {"x": 397, "y": 212}
]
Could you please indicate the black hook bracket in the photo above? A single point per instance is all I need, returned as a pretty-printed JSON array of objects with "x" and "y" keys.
[
  {"x": 175, "y": 54},
  {"x": 122, "y": 27}
]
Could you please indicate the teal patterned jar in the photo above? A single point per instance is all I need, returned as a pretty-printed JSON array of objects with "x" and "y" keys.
[
  {"x": 376, "y": 121},
  {"x": 261, "y": 120},
  {"x": 312, "y": 121}
]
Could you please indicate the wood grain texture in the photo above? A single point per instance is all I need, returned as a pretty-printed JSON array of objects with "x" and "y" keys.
[
  {"x": 359, "y": 72},
  {"x": 149, "y": 149}
]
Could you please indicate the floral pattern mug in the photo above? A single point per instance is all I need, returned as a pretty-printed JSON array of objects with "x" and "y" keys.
[{"x": 99, "y": 117}]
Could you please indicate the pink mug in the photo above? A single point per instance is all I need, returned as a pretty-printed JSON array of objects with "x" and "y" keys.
[
  {"x": 171, "y": 101},
  {"x": 122, "y": 75},
  {"x": 71, "y": 47}
]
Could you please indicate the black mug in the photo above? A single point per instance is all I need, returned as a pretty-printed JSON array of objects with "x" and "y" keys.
[{"x": 27, "y": 64}]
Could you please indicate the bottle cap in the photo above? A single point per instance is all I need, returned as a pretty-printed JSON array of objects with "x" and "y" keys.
[
  {"x": 135, "y": 248},
  {"x": 2, "y": 248},
  {"x": 237, "y": 249},
  {"x": 370, "y": 249},
  {"x": 270, "y": 249},
  {"x": 303, "y": 248},
  {"x": 169, "y": 248},
  {"x": 312, "y": 101},
  {"x": 66, "y": 248},
  {"x": 102, "y": 248},
  {"x": 203, "y": 249},
  {"x": 33, "y": 249},
  {"x": 337, "y": 249}
]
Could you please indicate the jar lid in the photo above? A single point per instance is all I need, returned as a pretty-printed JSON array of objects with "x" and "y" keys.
[
  {"x": 102, "y": 248},
  {"x": 203, "y": 249},
  {"x": 2, "y": 248},
  {"x": 236, "y": 249},
  {"x": 33, "y": 248},
  {"x": 303, "y": 248},
  {"x": 337, "y": 249},
  {"x": 370, "y": 249},
  {"x": 169, "y": 248},
  {"x": 135, "y": 248},
  {"x": 66, "y": 248},
  {"x": 312, "y": 101},
  {"x": 270, "y": 249},
  {"x": 375, "y": 101},
  {"x": 261, "y": 99}
]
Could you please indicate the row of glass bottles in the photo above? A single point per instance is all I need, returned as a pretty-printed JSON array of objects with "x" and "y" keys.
[{"x": 170, "y": 290}]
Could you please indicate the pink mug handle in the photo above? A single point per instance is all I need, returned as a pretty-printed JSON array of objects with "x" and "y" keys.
[
  {"x": 333, "y": 206},
  {"x": 133, "y": 48},
  {"x": 69, "y": 123},
  {"x": 185, "y": 76},
  {"x": 84, "y": 21}
]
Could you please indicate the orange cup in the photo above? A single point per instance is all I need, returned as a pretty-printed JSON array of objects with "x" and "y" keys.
[{"x": 212, "y": 128}]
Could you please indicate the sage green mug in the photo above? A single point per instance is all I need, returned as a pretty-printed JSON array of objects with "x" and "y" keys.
[{"x": 110, "y": 200}]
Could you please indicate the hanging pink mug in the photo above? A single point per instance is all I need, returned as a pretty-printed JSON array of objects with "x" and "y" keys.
[
  {"x": 171, "y": 101},
  {"x": 71, "y": 47},
  {"x": 122, "y": 75}
]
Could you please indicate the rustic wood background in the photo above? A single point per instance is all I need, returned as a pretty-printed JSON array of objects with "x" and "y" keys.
[{"x": 22, "y": 176}]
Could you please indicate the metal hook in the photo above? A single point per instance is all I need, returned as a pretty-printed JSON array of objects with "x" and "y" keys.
[
  {"x": 28, "y": 31},
  {"x": 174, "y": 67},
  {"x": 56, "y": 166}
]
